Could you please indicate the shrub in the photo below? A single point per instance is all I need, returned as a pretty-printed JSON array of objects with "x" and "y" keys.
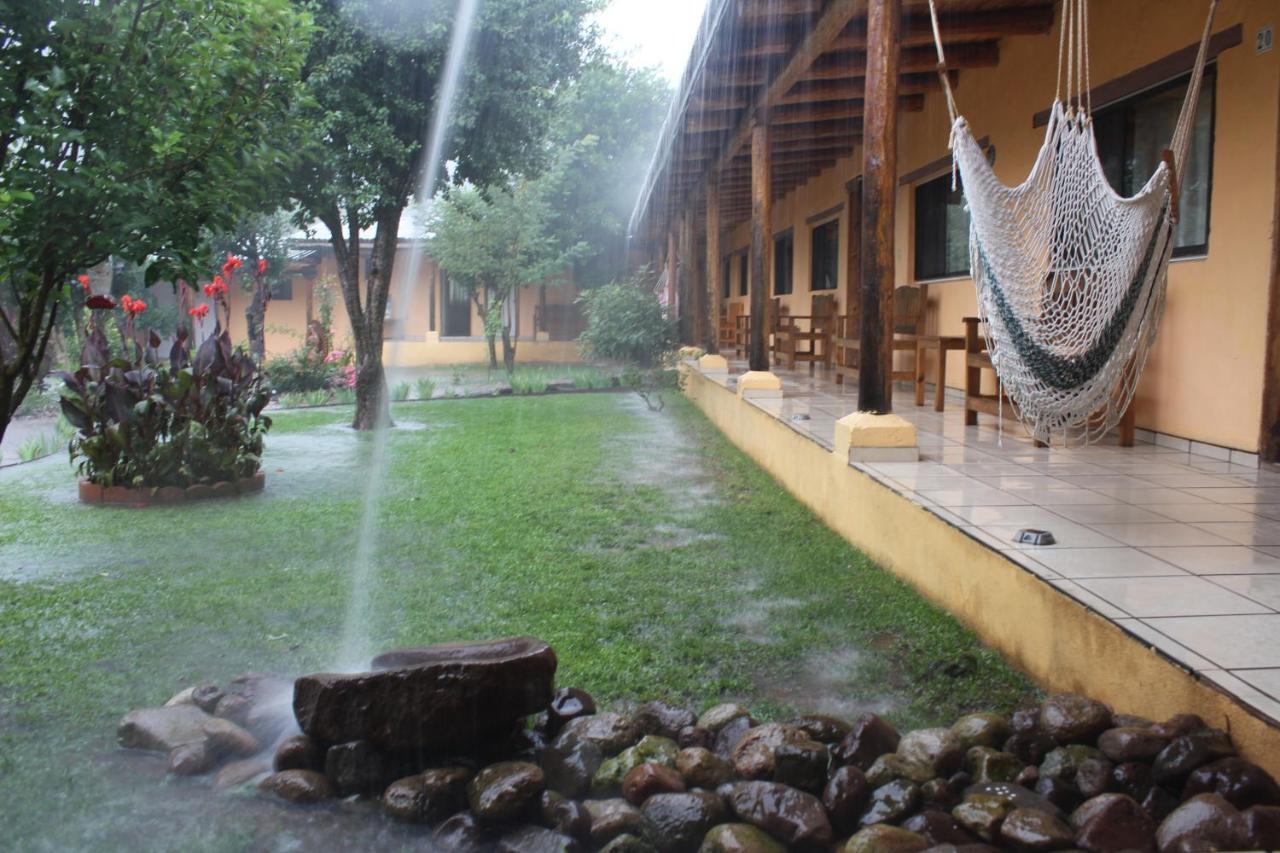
[
  {"x": 529, "y": 381},
  {"x": 400, "y": 392},
  {"x": 301, "y": 371},
  {"x": 591, "y": 377},
  {"x": 626, "y": 323},
  {"x": 426, "y": 388}
]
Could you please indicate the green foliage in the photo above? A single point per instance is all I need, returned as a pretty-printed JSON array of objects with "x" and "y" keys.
[
  {"x": 400, "y": 392},
  {"x": 141, "y": 423},
  {"x": 300, "y": 371},
  {"x": 529, "y": 381},
  {"x": 626, "y": 323},
  {"x": 426, "y": 387}
]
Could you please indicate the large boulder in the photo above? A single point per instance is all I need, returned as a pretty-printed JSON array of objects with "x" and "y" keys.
[
  {"x": 446, "y": 698},
  {"x": 162, "y": 728}
]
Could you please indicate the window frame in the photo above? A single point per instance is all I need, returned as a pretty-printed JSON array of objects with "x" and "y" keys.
[
  {"x": 813, "y": 255},
  {"x": 787, "y": 236},
  {"x": 945, "y": 274},
  {"x": 744, "y": 272}
]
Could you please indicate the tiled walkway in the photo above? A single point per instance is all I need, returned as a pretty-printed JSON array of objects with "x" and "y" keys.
[{"x": 1181, "y": 549}]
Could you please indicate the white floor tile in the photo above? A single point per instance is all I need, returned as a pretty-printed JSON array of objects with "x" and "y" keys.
[
  {"x": 1232, "y": 642},
  {"x": 1172, "y": 596},
  {"x": 1160, "y": 534},
  {"x": 1105, "y": 563},
  {"x": 1219, "y": 560}
]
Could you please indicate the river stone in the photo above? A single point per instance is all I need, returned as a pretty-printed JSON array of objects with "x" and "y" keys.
[
  {"x": 938, "y": 828},
  {"x": 162, "y": 728},
  {"x": 793, "y": 817},
  {"x": 1129, "y": 743},
  {"x": 823, "y": 728},
  {"x": 568, "y": 817},
  {"x": 569, "y": 765},
  {"x": 192, "y": 759},
  {"x": 753, "y": 757},
  {"x": 935, "y": 748},
  {"x": 241, "y": 772},
  {"x": 1031, "y": 829},
  {"x": 802, "y": 765},
  {"x": 182, "y": 697},
  {"x": 628, "y": 843},
  {"x": 740, "y": 838},
  {"x": 870, "y": 738},
  {"x": 892, "y": 766},
  {"x": 1132, "y": 778},
  {"x": 206, "y": 697},
  {"x": 882, "y": 838},
  {"x": 428, "y": 797},
  {"x": 729, "y": 736},
  {"x": 1065, "y": 761},
  {"x": 537, "y": 839},
  {"x": 1204, "y": 822},
  {"x": 462, "y": 833},
  {"x": 891, "y": 803},
  {"x": 716, "y": 717},
  {"x": 844, "y": 797},
  {"x": 567, "y": 704},
  {"x": 691, "y": 736},
  {"x": 298, "y": 752},
  {"x": 227, "y": 739},
  {"x": 612, "y": 733},
  {"x": 702, "y": 768},
  {"x": 505, "y": 791},
  {"x": 1188, "y": 752},
  {"x": 1062, "y": 793},
  {"x": 1179, "y": 725},
  {"x": 1030, "y": 747},
  {"x": 645, "y": 781},
  {"x": 610, "y": 774},
  {"x": 611, "y": 818},
  {"x": 981, "y": 730},
  {"x": 663, "y": 719},
  {"x": 940, "y": 794},
  {"x": 1072, "y": 718},
  {"x": 234, "y": 707},
  {"x": 1015, "y": 795},
  {"x": 356, "y": 768},
  {"x": 446, "y": 698},
  {"x": 985, "y": 764},
  {"x": 1093, "y": 777},
  {"x": 1025, "y": 720},
  {"x": 1260, "y": 828},
  {"x": 677, "y": 822},
  {"x": 1158, "y": 803},
  {"x": 298, "y": 786},
  {"x": 1241, "y": 783},
  {"x": 982, "y": 815},
  {"x": 1110, "y": 823}
]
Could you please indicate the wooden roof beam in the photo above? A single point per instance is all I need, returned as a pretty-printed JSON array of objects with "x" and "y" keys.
[{"x": 838, "y": 66}]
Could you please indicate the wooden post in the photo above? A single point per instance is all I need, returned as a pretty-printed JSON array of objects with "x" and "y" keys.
[
  {"x": 761, "y": 241},
  {"x": 1269, "y": 440},
  {"x": 853, "y": 247},
  {"x": 671, "y": 274},
  {"x": 688, "y": 290},
  {"x": 714, "y": 284},
  {"x": 879, "y": 198}
]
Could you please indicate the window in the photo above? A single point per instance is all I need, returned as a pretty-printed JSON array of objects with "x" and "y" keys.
[
  {"x": 825, "y": 256},
  {"x": 457, "y": 311},
  {"x": 783, "y": 257},
  {"x": 282, "y": 289},
  {"x": 1132, "y": 136},
  {"x": 942, "y": 230},
  {"x": 743, "y": 279},
  {"x": 726, "y": 279}
]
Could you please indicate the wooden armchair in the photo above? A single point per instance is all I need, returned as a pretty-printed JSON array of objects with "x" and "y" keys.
[
  {"x": 778, "y": 322},
  {"x": 727, "y": 330},
  {"x": 820, "y": 322},
  {"x": 908, "y": 326}
]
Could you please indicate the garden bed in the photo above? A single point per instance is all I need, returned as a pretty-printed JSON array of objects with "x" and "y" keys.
[{"x": 93, "y": 493}]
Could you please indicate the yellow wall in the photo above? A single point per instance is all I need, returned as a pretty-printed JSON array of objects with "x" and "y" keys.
[{"x": 1204, "y": 378}]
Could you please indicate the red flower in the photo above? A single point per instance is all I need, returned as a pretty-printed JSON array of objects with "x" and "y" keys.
[
  {"x": 100, "y": 302},
  {"x": 216, "y": 288},
  {"x": 262, "y": 266},
  {"x": 231, "y": 265},
  {"x": 84, "y": 282},
  {"x": 126, "y": 302},
  {"x": 132, "y": 307},
  {"x": 200, "y": 311}
]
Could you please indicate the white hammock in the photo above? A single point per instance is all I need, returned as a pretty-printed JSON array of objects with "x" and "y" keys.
[{"x": 1070, "y": 275}]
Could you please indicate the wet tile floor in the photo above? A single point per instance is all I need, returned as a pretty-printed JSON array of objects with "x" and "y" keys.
[{"x": 1180, "y": 548}]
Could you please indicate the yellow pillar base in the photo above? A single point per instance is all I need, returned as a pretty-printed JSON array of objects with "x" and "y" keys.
[
  {"x": 713, "y": 364},
  {"x": 867, "y": 437},
  {"x": 759, "y": 385}
]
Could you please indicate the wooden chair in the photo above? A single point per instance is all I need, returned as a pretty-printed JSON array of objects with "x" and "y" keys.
[
  {"x": 820, "y": 322},
  {"x": 844, "y": 344},
  {"x": 778, "y": 322},
  {"x": 727, "y": 330},
  {"x": 908, "y": 326}
]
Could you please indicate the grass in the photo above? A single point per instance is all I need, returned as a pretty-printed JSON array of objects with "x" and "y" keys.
[{"x": 658, "y": 560}]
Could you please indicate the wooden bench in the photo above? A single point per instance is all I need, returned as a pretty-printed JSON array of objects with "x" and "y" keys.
[{"x": 820, "y": 328}]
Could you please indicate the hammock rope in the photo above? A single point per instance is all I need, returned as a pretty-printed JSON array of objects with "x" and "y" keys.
[{"x": 1071, "y": 276}]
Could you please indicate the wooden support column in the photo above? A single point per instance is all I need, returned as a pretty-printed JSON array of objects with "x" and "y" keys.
[
  {"x": 671, "y": 274},
  {"x": 715, "y": 287},
  {"x": 853, "y": 247},
  {"x": 1269, "y": 440},
  {"x": 879, "y": 199},
  {"x": 688, "y": 289},
  {"x": 761, "y": 242}
]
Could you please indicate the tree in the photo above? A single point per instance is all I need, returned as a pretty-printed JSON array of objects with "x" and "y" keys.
[
  {"x": 262, "y": 240},
  {"x": 492, "y": 245},
  {"x": 129, "y": 127},
  {"x": 376, "y": 75}
]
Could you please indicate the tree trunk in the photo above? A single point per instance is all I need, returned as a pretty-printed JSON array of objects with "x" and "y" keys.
[
  {"x": 255, "y": 318},
  {"x": 508, "y": 350},
  {"x": 372, "y": 409}
]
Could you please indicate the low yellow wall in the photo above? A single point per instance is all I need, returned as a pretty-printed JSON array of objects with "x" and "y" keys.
[{"x": 1055, "y": 640}]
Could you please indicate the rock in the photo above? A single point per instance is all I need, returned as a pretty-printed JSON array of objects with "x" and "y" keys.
[
  {"x": 655, "y": 750},
  {"x": 537, "y": 839},
  {"x": 730, "y": 734},
  {"x": 664, "y": 720},
  {"x": 505, "y": 791},
  {"x": 1260, "y": 828},
  {"x": 192, "y": 759},
  {"x": 1093, "y": 777},
  {"x": 298, "y": 752},
  {"x": 1132, "y": 778},
  {"x": 356, "y": 768},
  {"x": 822, "y": 728},
  {"x": 1072, "y": 718},
  {"x": 1025, "y": 720},
  {"x": 892, "y": 766},
  {"x": 628, "y": 843},
  {"x": 695, "y": 736},
  {"x": 1129, "y": 743},
  {"x": 870, "y": 738},
  {"x": 1158, "y": 803},
  {"x": 428, "y": 797},
  {"x": 935, "y": 748},
  {"x": 677, "y": 822},
  {"x": 702, "y": 768},
  {"x": 645, "y": 781},
  {"x": 611, "y": 818},
  {"x": 569, "y": 766},
  {"x": 716, "y": 717},
  {"x": 1184, "y": 754},
  {"x": 892, "y": 802},
  {"x": 1063, "y": 794},
  {"x": 1179, "y": 725},
  {"x": 982, "y": 815},
  {"x": 1204, "y": 822},
  {"x": 1027, "y": 776},
  {"x": 985, "y": 764},
  {"x": 1065, "y": 761},
  {"x": 740, "y": 838},
  {"x": 802, "y": 765},
  {"x": 938, "y": 828},
  {"x": 885, "y": 839},
  {"x": 753, "y": 757},
  {"x": 1030, "y": 747},
  {"x": 298, "y": 786},
  {"x": 241, "y": 772},
  {"x": 990, "y": 730},
  {"x": 449, "y": 698},
  {"x": 206, "y": 697},
  {"x": 1113, "y": 822},
  {"x": 1239, "y": 782},
  {"x": 793, "y": 817},
  {"x": 612, "y": 733},
  {"x": 1130, "y": 721},
  {"x": 1017, "y": 797},
  {"x": 568, "y": 817},
  {"x": 567, "y": 704},
  {"x": 845, "y": 797},
  {"x": 227, "y": 739},
  {"x": 161, "y": 729},
  {"x": 940, "y": 794},
  {"x": 462, "y": 833},
  {"x": 1030, "y": 829},
  {"x": 182, "y": 697},
  {"x": 234, "y": 707}
]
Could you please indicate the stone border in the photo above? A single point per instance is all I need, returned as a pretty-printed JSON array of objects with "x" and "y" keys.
[{"x": 92, "y": 493}]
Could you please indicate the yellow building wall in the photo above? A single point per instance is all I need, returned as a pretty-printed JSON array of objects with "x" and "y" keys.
[{"x": 1205, "y": 375}]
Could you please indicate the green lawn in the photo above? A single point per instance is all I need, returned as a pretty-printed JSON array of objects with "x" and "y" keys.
[{"x": 655, "y": 558}]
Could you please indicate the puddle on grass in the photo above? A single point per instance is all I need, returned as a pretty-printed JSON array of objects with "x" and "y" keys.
[{"x": 830, "y": 682}]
